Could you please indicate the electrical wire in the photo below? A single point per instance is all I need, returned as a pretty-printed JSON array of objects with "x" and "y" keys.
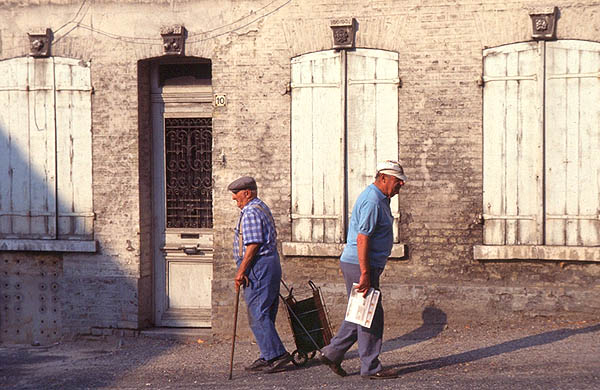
[
  {"x": 232, "y": 23},
  {"x": 74, "y": 17},
  {"x": 155, "y": 41},
  {"x": 151, "y": 40},
  {"x": 241, "y": 27}
]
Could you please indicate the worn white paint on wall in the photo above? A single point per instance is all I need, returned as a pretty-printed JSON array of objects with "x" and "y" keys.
[
  {"x": 541, "y": 172},
  {"x": 45, "y": 131}
]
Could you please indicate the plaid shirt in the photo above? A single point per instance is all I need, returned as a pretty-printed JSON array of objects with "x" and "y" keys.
[{"x": 258, "y": 227}]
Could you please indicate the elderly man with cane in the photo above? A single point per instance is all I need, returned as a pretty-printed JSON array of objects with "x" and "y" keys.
[
  {"x": 368, "y": 245},
  {"x": 259, "y": 272}
]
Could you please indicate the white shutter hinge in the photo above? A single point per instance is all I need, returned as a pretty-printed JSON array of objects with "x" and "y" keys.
[
  {"x": 301, "y": 216},
  {"x": 315, "y": 85},
  {"x": 579, "y": 217},
  {"x": 508, "y": 217},
  {"x": 486, "y": 79},
  {"x": 374, "y": 81},
  {"x": 594, "y": 75}
]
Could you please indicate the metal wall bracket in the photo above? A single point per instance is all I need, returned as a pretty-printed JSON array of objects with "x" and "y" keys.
[
  {"x": 173, "y": 39},
  {"x": 344, "y": 33},
  {"x": 40, "y": 43},
  {"x": 544, "y": 23}
]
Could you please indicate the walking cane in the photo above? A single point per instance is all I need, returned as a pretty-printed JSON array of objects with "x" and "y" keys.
[{"x": 235, "y": 313}]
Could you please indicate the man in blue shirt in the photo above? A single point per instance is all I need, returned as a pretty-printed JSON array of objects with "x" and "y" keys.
[
  {"x": 368, "y": 245},
  {"x": 259, "y": 271}
]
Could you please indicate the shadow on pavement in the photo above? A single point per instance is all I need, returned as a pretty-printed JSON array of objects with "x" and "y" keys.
[
  {"x": 91, "y": 364},
  {"x": 434, "y": 322},
  {"x": 494, "y": 350}
]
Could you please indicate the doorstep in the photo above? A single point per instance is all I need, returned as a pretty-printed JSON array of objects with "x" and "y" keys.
[{"x": 187, "y": 335}]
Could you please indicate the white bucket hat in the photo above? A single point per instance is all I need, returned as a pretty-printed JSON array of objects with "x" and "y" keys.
[{"x": 391, "y": 167}]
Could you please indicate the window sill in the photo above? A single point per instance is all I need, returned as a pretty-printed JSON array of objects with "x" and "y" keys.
[
  {"x": 48, "y": 245},
  {"x": 538, "y": 252},
  {"x": 311, "y": 249}
]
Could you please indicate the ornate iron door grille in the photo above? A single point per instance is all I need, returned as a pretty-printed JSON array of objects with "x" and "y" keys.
[{"x": 188, "y": 147}]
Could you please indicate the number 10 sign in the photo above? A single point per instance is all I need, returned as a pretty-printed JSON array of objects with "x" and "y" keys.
[{"x": 220, "y": 100}]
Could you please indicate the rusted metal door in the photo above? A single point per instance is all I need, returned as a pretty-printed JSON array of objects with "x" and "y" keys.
[{"x": 182, "y": 194}]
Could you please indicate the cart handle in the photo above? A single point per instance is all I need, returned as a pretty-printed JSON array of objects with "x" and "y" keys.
[{"x": 286, "y": 286}]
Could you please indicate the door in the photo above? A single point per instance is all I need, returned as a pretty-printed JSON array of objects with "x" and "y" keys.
[{"x": 182, "y": 193}]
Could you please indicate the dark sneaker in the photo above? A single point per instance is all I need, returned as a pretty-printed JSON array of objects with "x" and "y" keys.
[
  {"x": 335, "y": 367},
  {"x": 279, "y": 363},
  {"x": 258, "y": 365}
]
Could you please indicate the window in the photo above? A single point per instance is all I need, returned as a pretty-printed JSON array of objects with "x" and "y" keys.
[
  {"x": 541, "y": 137},
  {"x": 344, "y": 120},
  {"x": 45, "y": 150}
]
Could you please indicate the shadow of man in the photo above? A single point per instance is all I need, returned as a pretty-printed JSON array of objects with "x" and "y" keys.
[
  {"x": 494, "y": 350},
  {"x": 434, "y": 322}
]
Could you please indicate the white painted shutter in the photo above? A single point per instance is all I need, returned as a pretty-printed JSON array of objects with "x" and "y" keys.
[
  {"x": 74, "y": 148},
  {"x": 512, "y": 144},
  {"x": 572, "y": 143},
  {"x": 317, "y": 148},
  {"x": 372, "y": 121},
  {"x": 27, "y": 149}
]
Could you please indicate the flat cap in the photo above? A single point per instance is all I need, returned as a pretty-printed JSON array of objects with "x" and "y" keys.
[{"x": 243, "y": 183}]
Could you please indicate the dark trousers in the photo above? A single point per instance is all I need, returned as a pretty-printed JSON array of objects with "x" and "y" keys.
[{"x": 369, "y": 339}]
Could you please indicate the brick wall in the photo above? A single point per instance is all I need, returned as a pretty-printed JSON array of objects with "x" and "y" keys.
[{"x": 440, "y": 132}]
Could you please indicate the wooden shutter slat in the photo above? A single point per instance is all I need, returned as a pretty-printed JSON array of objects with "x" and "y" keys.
[
  {"x": 74, "y": 146},
  {"x": 19, "y": 150},
  {"x": 7, "y": 85},
  {"x": 42, "y": 147},
  {"x": 372, "y": 125},
  {"x": 572, "y": 131},
  {"x": 317, "y": 146},
  {"x": 513, "y": 158},
  {"x": 27, "y": 200}
]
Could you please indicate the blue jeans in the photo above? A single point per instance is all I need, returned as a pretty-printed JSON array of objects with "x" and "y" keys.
[
  {"x": 262, "y": 299},
  {"x": 369, "y": 339}
]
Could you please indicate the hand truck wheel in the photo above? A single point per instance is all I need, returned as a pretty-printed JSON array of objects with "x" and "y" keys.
[{"x": 299, "y": 358}]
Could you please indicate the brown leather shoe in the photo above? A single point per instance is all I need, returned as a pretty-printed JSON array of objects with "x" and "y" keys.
[
  {"x": 383, "y": 374},
  {"x": 335, "y": 367},
  {"x": 278, "y": 364}
]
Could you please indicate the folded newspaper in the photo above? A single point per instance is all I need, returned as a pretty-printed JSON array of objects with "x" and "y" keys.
[{"x": 362, "y": 309}]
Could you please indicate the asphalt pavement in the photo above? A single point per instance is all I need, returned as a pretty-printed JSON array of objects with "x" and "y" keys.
[{"x": 541, "y": 353}]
